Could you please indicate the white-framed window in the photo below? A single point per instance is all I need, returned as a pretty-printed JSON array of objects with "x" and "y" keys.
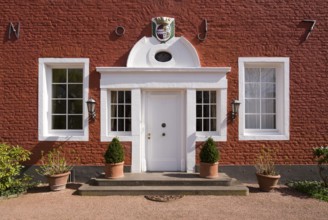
[
  {"x": 63, "y": 91},
  {"x": 264, "y": 96},
  {"x": 206, "y": 111},
  {"x": 120, "y": 111}
]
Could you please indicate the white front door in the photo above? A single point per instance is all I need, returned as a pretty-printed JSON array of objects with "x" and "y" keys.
[{"x": 164, "y": 131}]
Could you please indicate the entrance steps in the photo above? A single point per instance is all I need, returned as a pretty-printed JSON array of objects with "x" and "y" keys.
[{"x": 166, "y": 183}]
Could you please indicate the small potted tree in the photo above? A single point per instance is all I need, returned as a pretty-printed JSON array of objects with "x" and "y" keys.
[
  {"x": 55, "y": 168},
  {"x": 266, "y": 173},
  {"x": 114, "y": 158},
  {"x": 209, "y": 157}
]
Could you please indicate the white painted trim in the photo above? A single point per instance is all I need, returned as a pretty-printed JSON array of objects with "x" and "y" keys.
[
  {"x": 160, "y": 78},
  {"x": 183, "y": 53},
  {"x": 45, "y": 65},
  {"x": 283, "y": 108}
]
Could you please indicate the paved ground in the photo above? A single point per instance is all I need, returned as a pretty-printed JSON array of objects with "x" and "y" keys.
[{"x": 281, "y": 204}]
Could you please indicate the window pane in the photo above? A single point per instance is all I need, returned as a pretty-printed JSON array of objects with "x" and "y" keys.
[
  {"x": 128, "y": 111},
  {"x": 199, "y": 125},
  {"x": 268, "y": 75},
  {"x": 252, "y": 90},
  {"x": 58, "y": 122},
  {"x": 58, "y": 75},
  {"x": 113, "y": 97},
  {"x": 75, "y": 91},
  {"x": 120, "y": 125},
  {"x": 113, "y": 125},
  {"x": 75, "y": 75},
  {"x": 206, "y": 111},
  {"x": 268, "y": 90},
  {"x": 59, "y": 106},
  {"x": 75, "y": 122},
  {"x": 213, "y": 124},
  {"x": 199, "y": 111},
  {"x": 252, "y": 105},
  {"x": 213, "y": 96},
  {"x": 206, "y": 124},
  {"x": 252, "y": 121},
  {"x": 268, "y": 106},
  {"x": 268, "y": 122},
  {"x": 120, "y": 96},
  {"x": 206, "y": 96},
  {"x": 127, "y": 96},
  {"x": 121, "y": 111},
  {"x": 59, "y": 91},
  {"x": 213, "y": 110},
  {"x": 75, "y": 107},
  {"x": 127, "y": 124},
  {"x": 252, "y": 74},
  {"x": 114, "y": 111},
  {"x": 199, "y": 97}
]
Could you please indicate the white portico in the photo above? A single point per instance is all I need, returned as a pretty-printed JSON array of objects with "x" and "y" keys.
[{"x": 163, "y": 102}]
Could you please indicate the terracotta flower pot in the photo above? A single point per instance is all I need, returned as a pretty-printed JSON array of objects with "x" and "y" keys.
[
  {"x": 267, "y": 182},
  {"x": 209, "y": 170},
  {"x": 114, "y": 170},
  {"x": 58, "y": 182}
]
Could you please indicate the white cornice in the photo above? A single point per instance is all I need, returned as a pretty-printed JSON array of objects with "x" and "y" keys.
[{"x": 162, "y": 70}]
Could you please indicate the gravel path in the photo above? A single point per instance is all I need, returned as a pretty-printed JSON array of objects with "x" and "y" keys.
[{"x": 281, "y": 204}]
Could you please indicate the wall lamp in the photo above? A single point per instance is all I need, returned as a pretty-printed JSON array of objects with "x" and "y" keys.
[
  {"x": 91, "y": 103},
  {"x": 235, "y": 107}
]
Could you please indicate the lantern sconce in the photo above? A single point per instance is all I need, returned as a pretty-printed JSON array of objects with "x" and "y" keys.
[
  {"x": 91, "y": 103},
  {"x": 235, "y": 107}
]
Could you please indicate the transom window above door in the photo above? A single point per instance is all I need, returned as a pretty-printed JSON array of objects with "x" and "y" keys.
[{"x": 206, "y": 111}]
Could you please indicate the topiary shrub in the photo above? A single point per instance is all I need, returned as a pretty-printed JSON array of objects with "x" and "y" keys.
[
  {"x": 11, "y": 182},
  {"x": 115, "y": 152},
  {"x": 209, "y": 152}
]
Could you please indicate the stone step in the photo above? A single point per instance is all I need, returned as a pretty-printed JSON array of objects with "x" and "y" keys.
[
  {"x": 163, "y": 179},
  {"x": 88, "y": 190}
]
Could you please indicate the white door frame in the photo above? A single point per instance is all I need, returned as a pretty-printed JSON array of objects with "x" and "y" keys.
[{"x": 145, "y": 95}]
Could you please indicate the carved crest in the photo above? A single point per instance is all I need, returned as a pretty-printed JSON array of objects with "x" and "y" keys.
[{"x": 163, "y": 28}]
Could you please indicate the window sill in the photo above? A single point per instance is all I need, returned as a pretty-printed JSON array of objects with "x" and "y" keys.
[
  {"x": 64, "y": 138},
  {"x": 202, "y": 138},
  {"x": 264, "y": 136}
]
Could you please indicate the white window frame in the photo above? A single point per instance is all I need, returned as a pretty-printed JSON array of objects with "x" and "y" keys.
[
  {"x": 282, "y": 98},
  {"x": 217, "y": 134},
  {"x": 45, "y": 133},
  {"x": 109, "y": 117}
]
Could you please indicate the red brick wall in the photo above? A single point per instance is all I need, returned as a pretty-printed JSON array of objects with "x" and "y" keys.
[{"x": 236, "y": 29}]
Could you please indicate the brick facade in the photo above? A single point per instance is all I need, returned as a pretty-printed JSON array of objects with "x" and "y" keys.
[{"x": 235, "y": 29}]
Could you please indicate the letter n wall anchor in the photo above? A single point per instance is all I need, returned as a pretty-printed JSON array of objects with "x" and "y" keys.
[{"x": 13, "y": 30}]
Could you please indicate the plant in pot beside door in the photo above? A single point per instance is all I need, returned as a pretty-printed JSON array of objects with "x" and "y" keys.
[
  {"x": 266, "y": 173},
  {"x": 209, "y": 157},
  {"x": 114, "y": 158},
  {"x": 55, "y": 168}
]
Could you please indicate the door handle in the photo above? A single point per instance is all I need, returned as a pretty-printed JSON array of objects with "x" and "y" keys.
[{"x": 148, "y": 136}]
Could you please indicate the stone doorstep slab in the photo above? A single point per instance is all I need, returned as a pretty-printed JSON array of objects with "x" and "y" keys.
[
  {"x": 87, "y": 190},
  {"x": 164, "y": 178}
]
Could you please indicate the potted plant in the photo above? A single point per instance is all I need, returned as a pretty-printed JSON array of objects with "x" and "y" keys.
[
  {"x": 114, "y": 158},
  {"x": 266, "y": 173},
  {"x": 55, "y": 168},
  {"x": 209, "y": 157}
]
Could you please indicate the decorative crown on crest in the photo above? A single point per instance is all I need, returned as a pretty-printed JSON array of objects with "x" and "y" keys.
[{"x": 163, "y": 20}]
